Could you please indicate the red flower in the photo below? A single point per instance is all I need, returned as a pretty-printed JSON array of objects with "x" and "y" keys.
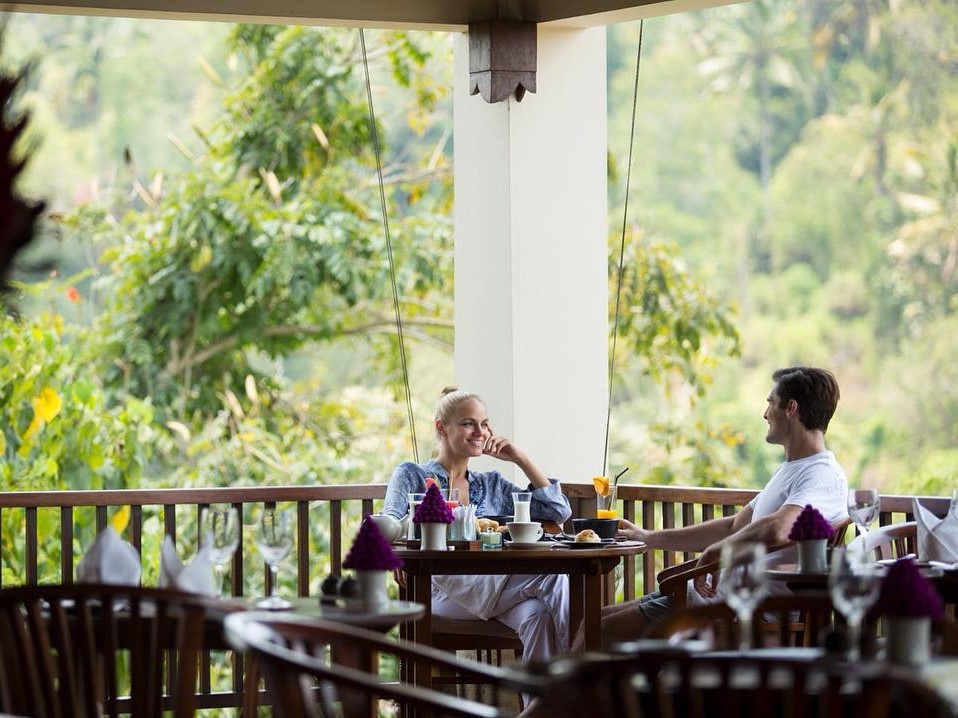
[{"x": 73, "y": 295}]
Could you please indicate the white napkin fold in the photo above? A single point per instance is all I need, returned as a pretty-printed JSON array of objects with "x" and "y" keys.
[
  {"x": 937, "y": 538},
  {"x": 110, "y": 560},
  {"x": 197, "y": 577},
  {"x": 463, "y": 526}
]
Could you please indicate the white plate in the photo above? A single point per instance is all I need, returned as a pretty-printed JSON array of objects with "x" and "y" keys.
[{"x": 528, "y": 546}]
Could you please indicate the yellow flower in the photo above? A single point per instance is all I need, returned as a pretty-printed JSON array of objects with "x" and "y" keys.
[
  {"x": 46, "y": 404},
  {"x": 120, "y": 519}
]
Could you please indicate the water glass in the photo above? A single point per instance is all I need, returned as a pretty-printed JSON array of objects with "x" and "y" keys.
[
  {"x": 522, "y": 504},
  {"x": 742, "y": 584},
  {"x": 853, "y": 584},
  {"x": 274, "y": 539},
  {"x": 220, "y": 535},
  {"x": 863, "y": 507},
  {"x": 412, "y": 530}
]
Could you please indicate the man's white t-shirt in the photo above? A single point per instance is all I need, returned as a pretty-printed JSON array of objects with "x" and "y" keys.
[{"x": 818, "y": 480}]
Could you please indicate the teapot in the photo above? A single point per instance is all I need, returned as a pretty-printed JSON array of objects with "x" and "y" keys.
[{"x": 389, "y": 527}]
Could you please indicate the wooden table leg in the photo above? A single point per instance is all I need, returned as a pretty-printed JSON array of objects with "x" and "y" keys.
[
  {"x": 423, "y": 630},
  {"x": 576, "y": 597},
  {"x": 593, "y": 612}
]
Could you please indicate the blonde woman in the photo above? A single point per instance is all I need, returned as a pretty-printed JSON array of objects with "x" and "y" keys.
[{"x": 535, "y": 607}]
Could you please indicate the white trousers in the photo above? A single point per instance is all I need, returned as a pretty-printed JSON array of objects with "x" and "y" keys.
[{"x": 535, "y": 607}]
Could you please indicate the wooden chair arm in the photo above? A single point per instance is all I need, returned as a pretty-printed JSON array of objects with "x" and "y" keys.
[{"x": 675, "y": 585}]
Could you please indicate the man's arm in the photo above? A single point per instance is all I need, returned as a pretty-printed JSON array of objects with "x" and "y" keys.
[
  {"x": 771, "y": 530},
  {"x": 696, "y": 537}
]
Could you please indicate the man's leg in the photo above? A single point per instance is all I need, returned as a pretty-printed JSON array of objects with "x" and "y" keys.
[{"x": 627, "y": 621}]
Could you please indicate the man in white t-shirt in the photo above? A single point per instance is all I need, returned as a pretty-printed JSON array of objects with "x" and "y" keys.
[{"x": 800, "y": 405}]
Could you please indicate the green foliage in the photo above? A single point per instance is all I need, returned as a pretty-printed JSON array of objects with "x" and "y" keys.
[
  {"x": 673, "y": 325},
  {"x": 58, "y": 428}
]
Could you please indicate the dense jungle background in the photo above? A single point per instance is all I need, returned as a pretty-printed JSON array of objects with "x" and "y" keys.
[{"x": 209, "y": 300}]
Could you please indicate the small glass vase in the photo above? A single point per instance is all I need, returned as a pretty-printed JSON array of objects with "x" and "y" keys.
[
  {"x": 372, "y": 587},
  {"x": 433, "y": 536},
  {"x": 812, "y": 556},
  {"x": 907, "y": 640}
]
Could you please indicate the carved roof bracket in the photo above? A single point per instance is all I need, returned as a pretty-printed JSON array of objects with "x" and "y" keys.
[{"x": 502, "y": 59}]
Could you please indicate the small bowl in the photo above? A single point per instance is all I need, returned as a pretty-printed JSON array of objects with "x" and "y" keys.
[{"x": 605, "y": 528}]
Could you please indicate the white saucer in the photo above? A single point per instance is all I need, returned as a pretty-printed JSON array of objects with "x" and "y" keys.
[{"x": 527, "y": 546}]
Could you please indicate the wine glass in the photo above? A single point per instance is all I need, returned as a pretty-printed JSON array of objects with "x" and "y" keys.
[
  {"x": 219, "y": 534},
  {"x": 863, "y": 507},
  {"x": 853, "y": 584},
  {"x": 274, "y": 539},
  {"x": 743, "y": 583}
]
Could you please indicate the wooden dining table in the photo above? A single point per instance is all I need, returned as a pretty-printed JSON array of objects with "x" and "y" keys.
[
  {"x": 585, "y": 568},
  {"x": 946, "y": 582}
]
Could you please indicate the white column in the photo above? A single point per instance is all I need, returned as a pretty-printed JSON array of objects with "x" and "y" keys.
[{"x": 531, "y": 276}]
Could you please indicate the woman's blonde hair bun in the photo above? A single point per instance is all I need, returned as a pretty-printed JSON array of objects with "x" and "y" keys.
[{"x": 451, "y": 398}]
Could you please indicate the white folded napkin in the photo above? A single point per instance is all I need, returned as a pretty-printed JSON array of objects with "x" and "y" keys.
[
  {"x": 463, "y": 523},
  {"x": 197, "y": 577},
  {"x": 110, "y": 560},
  {"x": 937, "y": 538}
]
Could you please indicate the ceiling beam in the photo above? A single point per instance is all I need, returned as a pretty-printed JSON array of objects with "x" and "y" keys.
[{"x": 445, "y": 15}]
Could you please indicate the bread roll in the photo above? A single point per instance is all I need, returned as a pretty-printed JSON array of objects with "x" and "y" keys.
[
  {"x": 587, "y": 536},
  {"x": 487, "y": 525}
]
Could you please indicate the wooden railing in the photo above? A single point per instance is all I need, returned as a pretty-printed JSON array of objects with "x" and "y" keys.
[{"x": 320, "y": 541}]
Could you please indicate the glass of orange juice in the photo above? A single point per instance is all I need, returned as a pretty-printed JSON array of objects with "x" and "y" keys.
[{"x": 605, "y": 498}]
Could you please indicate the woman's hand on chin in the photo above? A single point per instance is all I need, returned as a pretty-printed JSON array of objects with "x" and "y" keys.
[{"x": 501, "y": 448}]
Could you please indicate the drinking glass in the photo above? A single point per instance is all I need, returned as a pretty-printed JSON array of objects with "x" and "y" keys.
[
  {"x": 863, "y": 506},
  {"x": 853, "y": 583},
  {"x": 605, "y": 505},
  {"x": 452, "y": 498},
  {"x": 412, "y": 530},
  {"x": 743, "y": 583},
  {"x": 220, "y": 534},
  {"x": 522, "y": 503},
  {"x": 274, "y": 539}
]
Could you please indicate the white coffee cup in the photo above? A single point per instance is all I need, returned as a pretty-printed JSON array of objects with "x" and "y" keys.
[{"x": 525, "y": 531}]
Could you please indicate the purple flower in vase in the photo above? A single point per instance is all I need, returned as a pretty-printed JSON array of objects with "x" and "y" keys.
[
  {"x": 810, "y": 526},
  {"x": 433, "y": 509},
  {"x": 370, "y": 550},
  {"x": 905, "y": 593}
]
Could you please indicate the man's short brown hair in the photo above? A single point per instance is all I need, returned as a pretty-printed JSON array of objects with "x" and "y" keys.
[{"x": 814, "y": 390}]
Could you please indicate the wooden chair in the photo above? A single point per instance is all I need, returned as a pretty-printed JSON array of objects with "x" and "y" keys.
[
  {"x": 673, "y": 581},
  {"x": 774, "y": 624},
  {"x": 891, "y": 541},
  {"x": 311, "y": 665},
  {"x": 81, "y": 651}
]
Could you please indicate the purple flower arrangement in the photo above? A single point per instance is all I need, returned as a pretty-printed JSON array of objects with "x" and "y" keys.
[
  {"x": 370, "y": 550},
  {"x": 810, "y": 526},
  {"x": 433, "y": 509},
  {"x": 905, "y": 593}
]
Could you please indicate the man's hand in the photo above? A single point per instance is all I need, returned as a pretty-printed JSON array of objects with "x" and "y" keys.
[
  {"x": 706, "y": 584},
  {"x": 630, "y": 531},
  {"x": 400, "y": 577}
]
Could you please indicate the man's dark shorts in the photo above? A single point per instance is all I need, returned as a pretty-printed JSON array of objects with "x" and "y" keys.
[{"x": 655, "y": 605}]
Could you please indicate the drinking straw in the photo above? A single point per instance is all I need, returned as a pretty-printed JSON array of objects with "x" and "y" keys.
[{"x": 615, "y": 481}]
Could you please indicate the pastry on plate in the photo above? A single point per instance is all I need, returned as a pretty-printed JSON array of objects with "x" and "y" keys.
[
  {"x": 487, "y": 525},
  {"x": 587, "y": 536}
]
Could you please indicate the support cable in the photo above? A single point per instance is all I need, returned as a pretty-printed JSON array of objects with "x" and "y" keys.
[
  {"x": 625, "y": 214},
  {"x": 389, "y": 250}
]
